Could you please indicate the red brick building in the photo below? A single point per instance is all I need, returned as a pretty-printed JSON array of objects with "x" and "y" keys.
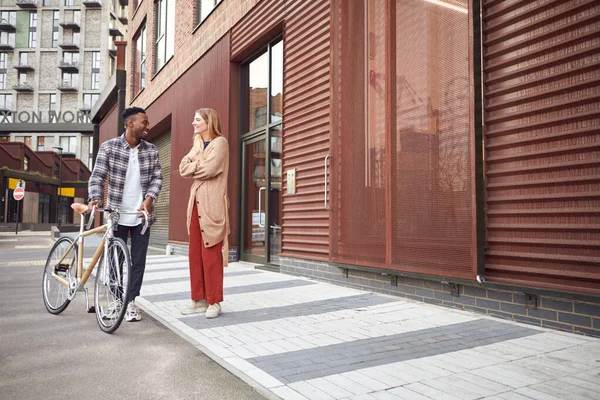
[{"x": 409, "y": 147}]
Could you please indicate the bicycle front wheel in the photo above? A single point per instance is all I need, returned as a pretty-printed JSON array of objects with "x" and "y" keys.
[
  {"x": 112, "y": 285},
  {"x": 60, "y": 277}
]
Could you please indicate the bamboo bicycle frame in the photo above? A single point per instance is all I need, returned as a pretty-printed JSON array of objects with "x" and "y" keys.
[{"x": 83, "y": 279}]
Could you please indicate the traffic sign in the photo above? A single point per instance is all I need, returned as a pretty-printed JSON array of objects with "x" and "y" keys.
[{"x": 18, "y": 193}]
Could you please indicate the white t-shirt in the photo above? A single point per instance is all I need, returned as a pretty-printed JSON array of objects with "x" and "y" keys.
[{"x": 132, "y": 191}]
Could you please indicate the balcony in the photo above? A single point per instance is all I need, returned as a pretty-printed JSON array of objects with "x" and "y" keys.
[
  {"x": 114, "y": 31},
  {"x": 24, "y": 67},
  {"x": 67, "y": 86},
  {"x": 29, "y": 4},
  {"x": 92, "y": 3},
  {"x": 70, "y": 22},
  {"x": 69, "y": 44},
  {"x": 8, "y": 24},
  {"x": 23, "y": 87},
  {"x": 69, "y": 66}
]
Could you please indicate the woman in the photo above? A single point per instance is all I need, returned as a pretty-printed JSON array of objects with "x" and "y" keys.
[{"x": 207, "y": 215}]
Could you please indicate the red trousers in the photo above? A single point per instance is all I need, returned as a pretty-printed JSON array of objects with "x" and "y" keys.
[{"x": 206, "y": 266}]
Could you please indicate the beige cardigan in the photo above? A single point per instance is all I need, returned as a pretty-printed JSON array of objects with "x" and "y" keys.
[{"x": 209, "y": 169}]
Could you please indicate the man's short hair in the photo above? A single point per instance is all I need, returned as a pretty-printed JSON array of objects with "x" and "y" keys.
[{"x": 130, "y": 112}]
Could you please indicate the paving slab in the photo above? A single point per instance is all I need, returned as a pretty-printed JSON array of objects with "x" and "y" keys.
[{"x": 297, "y": 338}]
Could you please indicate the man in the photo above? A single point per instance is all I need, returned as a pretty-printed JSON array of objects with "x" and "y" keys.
[{"x": 133, "y": 170}]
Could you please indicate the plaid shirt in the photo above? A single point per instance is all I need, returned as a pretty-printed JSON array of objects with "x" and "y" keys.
[{"x": 112, "y": 162}]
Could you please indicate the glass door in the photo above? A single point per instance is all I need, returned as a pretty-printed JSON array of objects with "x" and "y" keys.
[
  {"x": 261, "y": 162},
  {"x": 254, "y": 220}
]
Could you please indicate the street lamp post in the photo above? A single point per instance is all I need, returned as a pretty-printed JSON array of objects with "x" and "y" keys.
[{"x": 60, "y": 149}]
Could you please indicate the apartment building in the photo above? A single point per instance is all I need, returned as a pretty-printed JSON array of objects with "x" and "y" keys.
[{"x": 55, "y": 58}]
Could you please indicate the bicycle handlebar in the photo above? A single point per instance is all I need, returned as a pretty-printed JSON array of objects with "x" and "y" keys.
[{"x": 94, "y": 209}]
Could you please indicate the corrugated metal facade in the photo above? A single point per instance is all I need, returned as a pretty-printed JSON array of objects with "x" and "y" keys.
[
  {"x": 159, "y": 235},
  {"x": 542, "y": 107},
  {"x": 305, "y": 113}
]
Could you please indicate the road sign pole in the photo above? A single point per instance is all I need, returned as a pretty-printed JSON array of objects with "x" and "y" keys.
[{"x": 18, "y": 209}]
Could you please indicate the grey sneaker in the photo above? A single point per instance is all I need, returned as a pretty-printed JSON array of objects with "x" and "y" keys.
[
  {"x": 213, "y": 311},
  {"x": 133, "y": 313},
  {"x": 195, "y": 307}
]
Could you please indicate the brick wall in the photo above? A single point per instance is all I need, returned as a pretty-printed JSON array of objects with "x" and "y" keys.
[
  {"x": 189, "y": 47},
  {"x": 556, "y": 313}
]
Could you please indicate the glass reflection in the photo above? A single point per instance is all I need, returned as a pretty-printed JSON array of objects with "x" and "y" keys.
[
  {"x": 276, "y": 82},
  {"x": 275, "y": 194},
  {"x": 254, "y": 238},
  {"x": 259, "y": 79}
]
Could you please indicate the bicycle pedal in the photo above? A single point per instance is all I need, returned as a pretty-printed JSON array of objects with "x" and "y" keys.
[{"x": 91, "y": 310}]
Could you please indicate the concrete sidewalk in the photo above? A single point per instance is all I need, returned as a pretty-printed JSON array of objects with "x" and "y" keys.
[{"x": 295, "y": 338}]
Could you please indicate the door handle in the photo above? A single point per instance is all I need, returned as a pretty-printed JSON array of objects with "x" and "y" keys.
[{"x": 260, "y": 207}]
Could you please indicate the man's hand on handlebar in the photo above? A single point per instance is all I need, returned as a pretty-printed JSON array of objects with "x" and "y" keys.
[
  {"x": 93, "y": 203},
  {"x": 146, "y": 205}
]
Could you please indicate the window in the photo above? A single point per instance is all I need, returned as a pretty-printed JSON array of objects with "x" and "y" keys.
[
  {"x": 26, "y": 163},
  {"x": 22, "y": 78},
  {"x": 46, "y": 3},
  {"x": 69, "y": 2},
  {"x": 55, "y": 16},
  {"x": 24, "y": 139},
  {"x": 8, "y": 17},
  {"x": 70, "y": 79},
  {"x": 40, "y": 143},
  {"x": 96, "y": 70},
  {"x": 52, "y": 102},
  {"x": 89, "y": 99},
  {"x": 139, "y": 65},
  {"x": 203, "y": 8},
  {"x": 91, "y": 153},
  {"x": 68, "y": 144},
  {"x": 7, "y": 39},
  {"x": 2, "y": 70},
  {"x": 165, "y": 32},
  {"x": 5, "y": 101},
  {"x": 23, "y": 58},
  {"x": 71, "y": 58},
  {"x": 32, "y": 29}
]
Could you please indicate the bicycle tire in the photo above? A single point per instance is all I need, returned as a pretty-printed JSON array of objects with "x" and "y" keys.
[
  {"x": 57, "y": 302},
  {"x": 112, "y": 285}
]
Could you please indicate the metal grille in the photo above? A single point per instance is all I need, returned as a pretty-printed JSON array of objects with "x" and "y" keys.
[
  {"x": 542, "y": 92},
  {"x": 159, "y": 235},
  {"x": 403, "y": 151}
]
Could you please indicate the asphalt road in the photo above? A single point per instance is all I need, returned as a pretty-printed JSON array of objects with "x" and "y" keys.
[{"x": 44, "y": 356}]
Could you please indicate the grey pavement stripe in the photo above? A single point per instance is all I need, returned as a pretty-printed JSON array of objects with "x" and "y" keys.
[
  {"x": 233, "y": 290},
  {"x": 296, "y": 310},
  {"x": 187, "y": 278},
  {"x": 334, "y": 359}
]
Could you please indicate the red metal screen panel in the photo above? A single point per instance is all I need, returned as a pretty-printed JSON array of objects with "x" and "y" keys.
[
  {"x": 403, "y": 190},
  {"x": 542, "y": 93}
]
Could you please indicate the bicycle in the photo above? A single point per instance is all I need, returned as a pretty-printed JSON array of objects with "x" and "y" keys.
[{"x": 64, "y": 275}]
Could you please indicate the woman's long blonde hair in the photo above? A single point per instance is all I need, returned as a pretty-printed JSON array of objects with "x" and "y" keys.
[{"x": 211, "y": 118}]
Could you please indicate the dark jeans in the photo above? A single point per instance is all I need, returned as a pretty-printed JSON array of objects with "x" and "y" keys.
[{"x": 139, "y": 248}]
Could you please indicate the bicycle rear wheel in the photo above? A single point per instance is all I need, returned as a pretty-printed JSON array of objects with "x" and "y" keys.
[
  {"x": 112, "y": 286},
  {"x": 60, "y": 279}
]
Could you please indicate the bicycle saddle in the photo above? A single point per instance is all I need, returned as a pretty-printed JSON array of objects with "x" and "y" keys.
[{"x": 79, "y": 207}]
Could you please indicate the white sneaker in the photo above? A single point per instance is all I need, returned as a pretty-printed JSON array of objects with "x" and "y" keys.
[
  {"x": 133, "y": 313},
  {"x": 195, "y": 307},
  {"x": 111, "y": 311},
  {"x": 213, "y": 311}
]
